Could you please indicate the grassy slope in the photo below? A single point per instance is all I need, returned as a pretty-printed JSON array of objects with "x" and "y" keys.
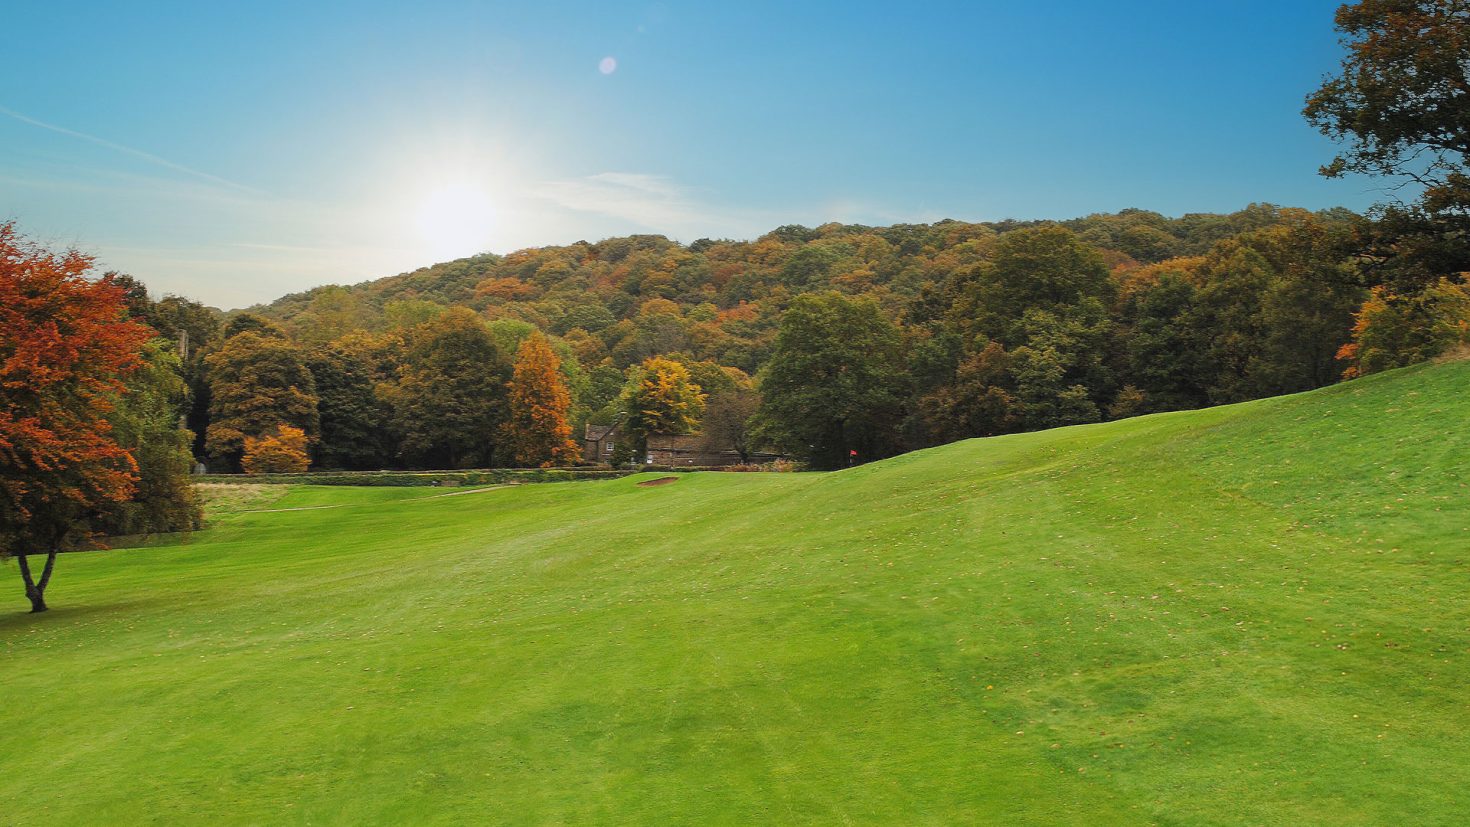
[{"x": 1254, "y": 614}]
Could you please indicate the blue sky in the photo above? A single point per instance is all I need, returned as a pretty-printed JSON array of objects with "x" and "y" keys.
[{"x": 234, "y": 153}]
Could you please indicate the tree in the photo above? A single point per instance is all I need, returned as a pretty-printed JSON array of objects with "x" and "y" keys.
[
  {"x": 450, "y": 398},
  {"x": 979, "y": 402},
  {"x": 65, "y": 348},
  {"x": 251, "y": 323},
  {"x": 835, "y": 381},
  {"x": 1392, "y": 331},
  {"x": 351, "y": 419},
  {"x": 1399, "y": 104},
  {"x": 256, "y": 384},
  {"x": 281, "y": 452},
  {"x": 1165, "y": 350},
  {"x": 537, "y": 432},
  {"x": 146, "y": 423},
  {"x": 1399, "y": 101},
  {"x": 1044, "y": 268},
  {"x": 661, "y": 398},
  {"x": 175, "y": 318},
  {"x": 727, "y": 421},
  {"x": 1227, "y": 309},
  {"x": 1043, "y": 398}
]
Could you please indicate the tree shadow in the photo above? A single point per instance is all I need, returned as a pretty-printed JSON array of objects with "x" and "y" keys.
[{"x": 62, "y": 615}]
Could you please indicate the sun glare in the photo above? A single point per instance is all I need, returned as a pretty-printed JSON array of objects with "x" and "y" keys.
[{"x": 455, "y": 220}]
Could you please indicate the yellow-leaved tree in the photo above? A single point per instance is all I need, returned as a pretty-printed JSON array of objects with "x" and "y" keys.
[
  {"x": 283, "y": 452},
  {"x": 661, "y": 398}
]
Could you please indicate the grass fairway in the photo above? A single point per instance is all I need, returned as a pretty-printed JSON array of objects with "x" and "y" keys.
[{"x": 1247, "y": 615}]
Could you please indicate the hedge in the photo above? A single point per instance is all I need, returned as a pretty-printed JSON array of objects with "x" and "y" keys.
[{"x": 489, "y": 476}]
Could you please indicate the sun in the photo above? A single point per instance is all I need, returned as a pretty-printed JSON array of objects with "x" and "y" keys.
[{"x": 455, "y": 220}]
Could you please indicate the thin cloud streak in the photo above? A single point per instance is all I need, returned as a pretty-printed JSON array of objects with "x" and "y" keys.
[
  {"x": 127, "y": 150},
  {"x": 654, "y": 202}
]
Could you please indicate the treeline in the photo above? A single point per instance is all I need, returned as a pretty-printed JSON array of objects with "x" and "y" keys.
[{"x": 816, "y": 342}]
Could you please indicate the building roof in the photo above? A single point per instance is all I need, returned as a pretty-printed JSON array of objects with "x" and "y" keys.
[{"x": 597, "y": 433}]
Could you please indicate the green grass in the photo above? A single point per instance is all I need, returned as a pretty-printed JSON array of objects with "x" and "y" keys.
[{"x": 1246, "y": 615}]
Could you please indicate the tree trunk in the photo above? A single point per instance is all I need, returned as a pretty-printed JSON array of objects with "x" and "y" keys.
[{"x": 36, "y": 590}]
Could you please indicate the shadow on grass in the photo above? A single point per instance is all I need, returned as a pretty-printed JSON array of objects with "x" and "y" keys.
[{"x": 64, "y": 615}]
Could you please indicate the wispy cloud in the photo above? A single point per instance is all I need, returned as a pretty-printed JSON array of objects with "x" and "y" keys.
[
  {"x": 654, "y": 202},
  {"x": 127, "y": 150}
]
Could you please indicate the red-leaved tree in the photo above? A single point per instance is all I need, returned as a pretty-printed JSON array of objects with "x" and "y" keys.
[{"x": 65, "y": 346}]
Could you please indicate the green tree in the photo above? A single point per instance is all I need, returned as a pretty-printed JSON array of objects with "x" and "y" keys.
[
  {"x": 1045, "y": 268},
  {"x": 351, "y": 418},
  {"x": 835, "y": 382},
  {"x": 1397, "y": 105},
  {"x": 450, "y": 399},
  {"x": 1227, "y": 309},
  {"x": 145, "y": 422},
  {"x": 1399, "y": 100},
  {"x": 1165, "y": 350},
  {"x": 178, "y": 318},
  {"x": 1043, "y": 398},
  {"x": 252, "y": 323},
  {"x": 727, "y": 421},
  {"x": 980, "y": 401},
  {"x": 1307, "y": 308},
  {"x": 333, "y": 313}
]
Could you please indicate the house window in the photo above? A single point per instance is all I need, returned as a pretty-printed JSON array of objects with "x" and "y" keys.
[{"x": 608, "y": 447}]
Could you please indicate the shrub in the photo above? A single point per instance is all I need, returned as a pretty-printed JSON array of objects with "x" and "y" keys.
[{"x": 283, "y": 452}]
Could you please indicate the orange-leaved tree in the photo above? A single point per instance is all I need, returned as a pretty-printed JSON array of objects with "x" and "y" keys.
[
  {"x": 65, "y": 346},
  {"x": 283, "y": 452},
  {"x": 537, "y": 432}
]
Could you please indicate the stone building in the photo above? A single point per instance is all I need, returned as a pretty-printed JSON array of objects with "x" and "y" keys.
[
  {"x": 674, "y": 450},
  {"x": 599, "y": 441}
]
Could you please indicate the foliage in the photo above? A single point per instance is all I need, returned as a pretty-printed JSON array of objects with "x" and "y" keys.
[
  {"x": 1188, "y": 311},
  {"x": 1399, "y": 100},
  {"x": 146, "y": 423},
  {"x": 282, "y": 452},
  {"x": 257, "y": 383},
  {"x": 980, "y": 401},
  {"x": 1398, "y": 106},
  {"x": 661, "y": 398},
  {"x": 347, "y": 404},
  {"x": 834, "y": 384},
  {"x": 1046, "y": 268},
  {"x": 1392, "y": 331},
  {"x": 449, "y": 400},
  {"x": 537, "y": 433},
  {"x": 728, "y": 417},
  {"x": 252, "y": 323},
  {"x": 66, "y": 347}
]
